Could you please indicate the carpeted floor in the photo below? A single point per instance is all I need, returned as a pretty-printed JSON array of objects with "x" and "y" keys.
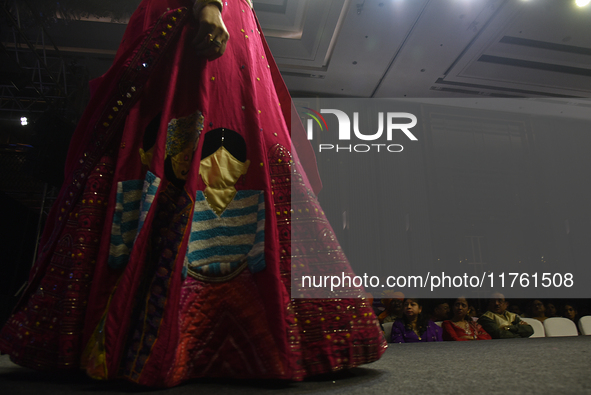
[{"x": 520, "y": 366}]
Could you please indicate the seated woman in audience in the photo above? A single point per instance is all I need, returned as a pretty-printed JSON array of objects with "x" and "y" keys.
[
  {"x": 461, "y": 327},
  {"x": 570, "y": 311},
  {"x": 414, "y": 326},
  {"x": 537, "y": 310},
  {"x": 551, "y": 310}
]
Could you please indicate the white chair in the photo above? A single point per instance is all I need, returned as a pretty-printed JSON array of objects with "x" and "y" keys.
[
  {"x": 388, "y": 330},
  {"x": 585, "y": 325},
  {"x": 558, "y": 326},
  {"x": 537, "y": 325}
]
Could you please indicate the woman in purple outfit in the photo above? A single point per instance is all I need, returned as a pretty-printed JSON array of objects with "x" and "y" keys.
[{"x": 415, "y": 326}]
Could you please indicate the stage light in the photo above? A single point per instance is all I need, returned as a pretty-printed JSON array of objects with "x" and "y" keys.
[
  {"x": 582, "y": 3},
  {"x": 24, "y": 121}
]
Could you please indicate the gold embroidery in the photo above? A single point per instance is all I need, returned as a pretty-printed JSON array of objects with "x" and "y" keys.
[{"x": 181, "y": 141}]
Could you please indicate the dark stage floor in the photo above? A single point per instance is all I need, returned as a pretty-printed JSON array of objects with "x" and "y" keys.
[{"x": 519, "y": 366}]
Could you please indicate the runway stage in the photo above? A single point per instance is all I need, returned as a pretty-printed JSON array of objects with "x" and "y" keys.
[{"x": 523, "y": 366}]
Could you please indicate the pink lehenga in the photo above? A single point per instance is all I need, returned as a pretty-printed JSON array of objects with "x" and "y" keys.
[{"x": 136, "y": 277}]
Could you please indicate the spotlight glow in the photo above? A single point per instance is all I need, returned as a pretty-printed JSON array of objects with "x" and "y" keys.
[
  {"x": 24, "y": 121},
  {"x": 582, "y": 3}
]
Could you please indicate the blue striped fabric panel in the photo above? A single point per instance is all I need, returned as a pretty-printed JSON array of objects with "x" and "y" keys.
[
  {"x": 151, "y": 184},
  {"x": 256, "y": 256},
  {"x": 133, "y": 201},
  {"x": 218, "y": 245}
]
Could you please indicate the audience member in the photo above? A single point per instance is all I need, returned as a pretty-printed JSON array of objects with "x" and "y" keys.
[
  {"x": 503, "y": 324},
  {"x": 537, "y": 310},
  {"x": 514, "y": 308},
  {"x": 415, "y": 326},
  {"x": 472, "y": 312},
  {"x": 393, "y": 307},
  {"x": 440, "y": 311},
  {"x": 551, "y": 310},
  {"x": 570, "y": 311},
  {"x": 461, "y": 327}
]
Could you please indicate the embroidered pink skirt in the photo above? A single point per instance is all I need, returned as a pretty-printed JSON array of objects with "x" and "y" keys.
[{"x": 110, "y": 292}]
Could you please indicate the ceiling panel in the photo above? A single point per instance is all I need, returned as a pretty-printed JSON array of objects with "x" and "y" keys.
[
  {"x": 529, "y": 49},
  {"x": 437, "y": 40},
  {"x": 301, "y": 36},
  {"x": 367, "y": 42}
]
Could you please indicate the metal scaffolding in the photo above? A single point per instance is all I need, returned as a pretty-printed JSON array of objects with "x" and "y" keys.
[
  {"x": 34, "y": 75},
  {"x": 35, "y": 79}
]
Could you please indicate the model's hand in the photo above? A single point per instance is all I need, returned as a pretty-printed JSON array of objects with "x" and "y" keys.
[{"x": 212, "y": 34}]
